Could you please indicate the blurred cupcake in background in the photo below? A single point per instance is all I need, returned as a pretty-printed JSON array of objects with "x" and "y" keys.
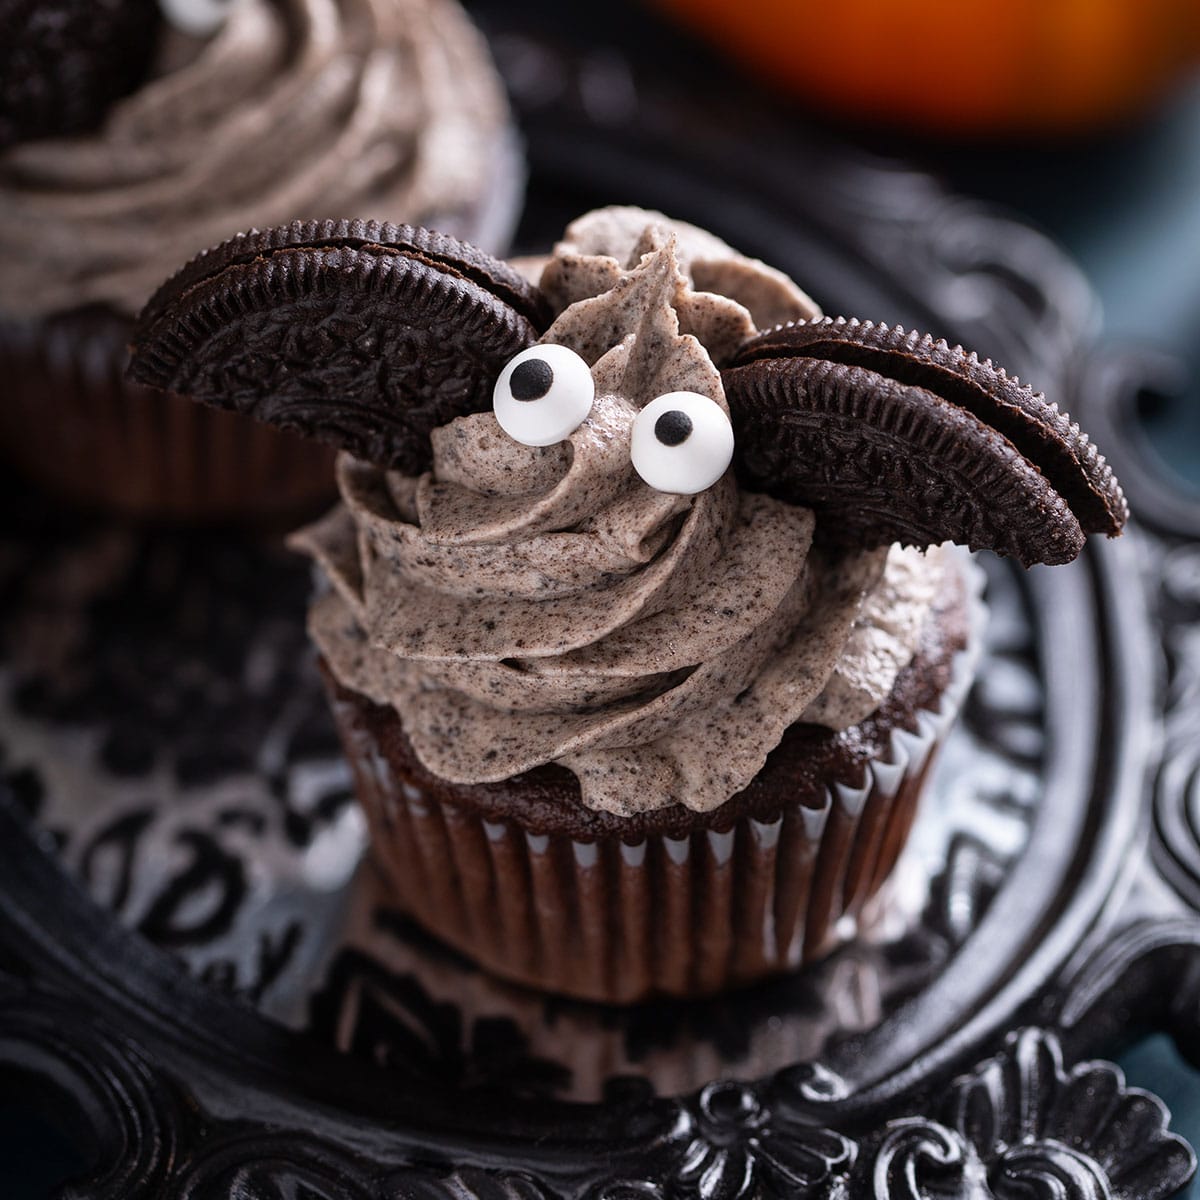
[{"x": 235, "y": 114}]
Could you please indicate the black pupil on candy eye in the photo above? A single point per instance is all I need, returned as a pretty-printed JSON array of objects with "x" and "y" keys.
[
  {"x": 673, "y": 427},
  {"x": 531, "y": 380}
]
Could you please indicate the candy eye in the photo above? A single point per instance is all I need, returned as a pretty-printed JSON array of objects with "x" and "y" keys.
[
  {"x": 543, "y": 395},
  {"x": 197, "y": 17},
  {"x": 682, "y": 443}
]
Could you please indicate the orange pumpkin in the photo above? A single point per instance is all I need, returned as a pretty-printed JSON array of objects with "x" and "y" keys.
[{"x": 962, "y": 66}]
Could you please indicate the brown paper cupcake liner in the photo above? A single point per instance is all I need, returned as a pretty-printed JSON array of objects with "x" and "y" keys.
[
  {"x": 617, "y": 922},
  {"x": 71, "y": 422}
]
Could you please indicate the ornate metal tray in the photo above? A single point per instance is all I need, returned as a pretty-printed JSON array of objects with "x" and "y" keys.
[{"x": 201, "y": 987}]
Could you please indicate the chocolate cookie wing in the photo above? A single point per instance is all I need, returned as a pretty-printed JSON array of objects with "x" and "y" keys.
[
  {"x": 63, "y": 62},
  {"x": 892, "y": 436},
  {"x": 363, "y": 335}
]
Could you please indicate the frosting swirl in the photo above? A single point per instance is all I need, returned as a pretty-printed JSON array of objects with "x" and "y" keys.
[
  {"x": 521, "y": 605},
  {"x": 382, "y": 108}
]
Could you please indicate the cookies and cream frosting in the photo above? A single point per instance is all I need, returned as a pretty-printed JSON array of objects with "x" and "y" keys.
[
  {"x": 520, "y": 605},
  {"x": 382, "y": 108}
]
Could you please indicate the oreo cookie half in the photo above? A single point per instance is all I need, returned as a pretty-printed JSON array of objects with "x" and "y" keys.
[
  {"x": 64, "y": 62},
  {"x": 363, "y": 335},
  {"x": 893, "y": 436}
]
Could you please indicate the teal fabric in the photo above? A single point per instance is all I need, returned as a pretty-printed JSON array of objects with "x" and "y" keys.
[{"x": 1156, "y": 1065}]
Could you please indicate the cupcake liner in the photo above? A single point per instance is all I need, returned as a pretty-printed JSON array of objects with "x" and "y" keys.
[
  {"x": 616, "y": 922},
  {"x": 72, "y": 423}
]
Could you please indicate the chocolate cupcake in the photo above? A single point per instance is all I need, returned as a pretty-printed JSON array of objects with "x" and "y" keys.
[
  {"x": 245, "y": 112},
  {"x": 635, "y": 617}
]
